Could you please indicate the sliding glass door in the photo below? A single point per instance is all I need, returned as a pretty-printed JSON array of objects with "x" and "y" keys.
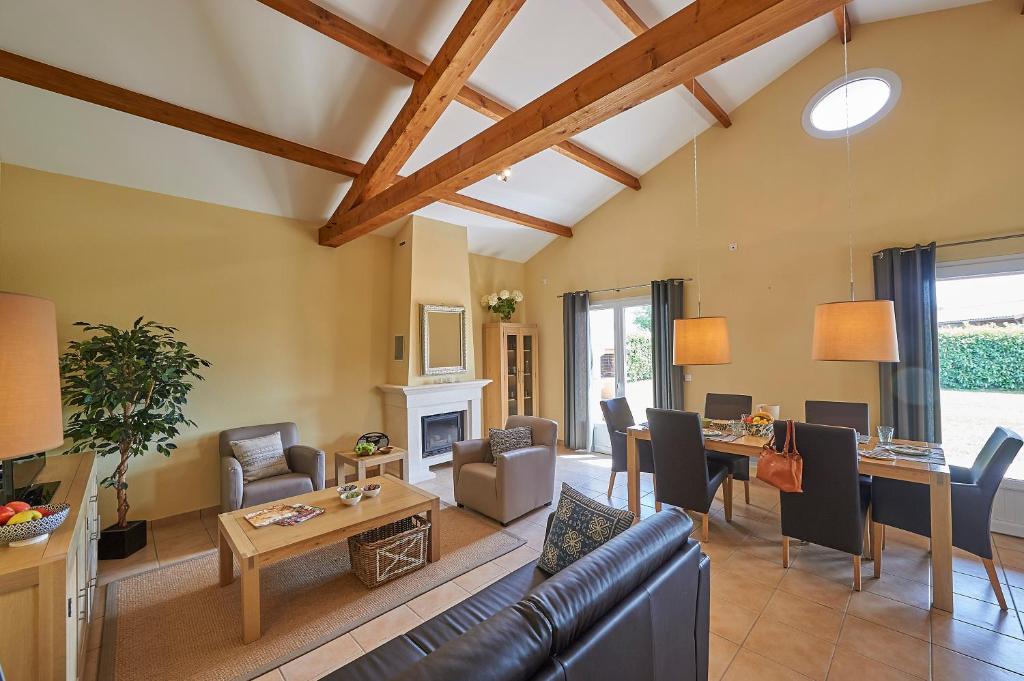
[{"x": 620, "y": 361}]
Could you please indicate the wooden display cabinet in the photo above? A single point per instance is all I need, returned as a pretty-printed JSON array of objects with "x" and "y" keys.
[{"x": 511, "y": 362}]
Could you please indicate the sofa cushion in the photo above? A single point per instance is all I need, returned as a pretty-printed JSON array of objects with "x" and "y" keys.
[
  {"x": 578, "y": 596},
  {"x": 580, "y": 525},
  {"x": 277, "y": 487},
  {"x": 509, "y": 440},
  {"x": 261, "y": 457}
]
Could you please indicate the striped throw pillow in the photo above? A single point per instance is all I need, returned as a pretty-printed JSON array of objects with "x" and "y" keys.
[{"x": 261, "y": 457}]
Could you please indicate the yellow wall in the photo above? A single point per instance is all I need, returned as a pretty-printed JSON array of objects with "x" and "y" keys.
[
  {"x": 295, "y": 331},
  {"x": 440, "y": 276},
  {"x": 401, "y": 287},
  {"x": 944, "y": 165},
  {"x": 490, "y": 275}
]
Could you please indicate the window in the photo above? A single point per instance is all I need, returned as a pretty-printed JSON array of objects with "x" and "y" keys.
[
  {"x": 621, "y": 361},
  {"x": 860, "y": 101},
  {"x": 981, "y": 331}
]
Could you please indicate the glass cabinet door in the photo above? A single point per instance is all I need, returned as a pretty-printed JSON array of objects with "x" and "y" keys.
[
  {"x": 512, "y": 380},
  {"x": 527, "y": 383}
]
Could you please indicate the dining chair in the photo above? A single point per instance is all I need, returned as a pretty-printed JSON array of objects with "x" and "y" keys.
[
  {"x": 686, "y": 477},
  {"x": 832, "y": 509},
  {"x": 730, "y": 408},
  {"x": 905, "y": 505},
  {"x": 618, "y": 417},
  {"x": 846, "y": 414}
]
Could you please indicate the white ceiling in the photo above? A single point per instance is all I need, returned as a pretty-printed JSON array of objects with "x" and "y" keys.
[{"x": 241, "y": 61}]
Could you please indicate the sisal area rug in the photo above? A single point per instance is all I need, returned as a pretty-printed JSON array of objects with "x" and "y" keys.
[{"x": 176, "y": 622}]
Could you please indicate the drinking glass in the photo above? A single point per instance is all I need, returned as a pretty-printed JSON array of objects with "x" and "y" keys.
[{"x": 885, "y": 435}]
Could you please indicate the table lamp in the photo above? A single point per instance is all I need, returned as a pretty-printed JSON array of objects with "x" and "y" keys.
[{"x": 30, "y": 409}]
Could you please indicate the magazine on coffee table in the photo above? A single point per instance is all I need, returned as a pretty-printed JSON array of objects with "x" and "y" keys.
[{"x": 283, "y": 514}]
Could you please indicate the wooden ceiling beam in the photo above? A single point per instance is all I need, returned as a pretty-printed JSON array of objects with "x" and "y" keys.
[
  {"x": 45, "y": 77},
  {"x": 843, "y": 25},
  {"x": 331, "y": 25},
  {"x": 636, "y": 25},
  {"x": 692, "y": 41},
  {"x": 465, "y": 47}
]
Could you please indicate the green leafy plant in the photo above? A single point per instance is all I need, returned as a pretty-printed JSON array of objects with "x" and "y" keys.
[
  {"x": 982, "y": 357},
  {"x": 128, "y": 389},
  {"x": 639, "y": 354},
  {"x": 365, "y": 449}
]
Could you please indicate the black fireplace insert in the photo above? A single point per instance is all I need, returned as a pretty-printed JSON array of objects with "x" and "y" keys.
[{"x": 441, "y": 431}]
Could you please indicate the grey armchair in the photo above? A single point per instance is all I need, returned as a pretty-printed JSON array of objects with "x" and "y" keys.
[
  {"x": 517, "y": 483},
  {"x": 305, "y": 463}
]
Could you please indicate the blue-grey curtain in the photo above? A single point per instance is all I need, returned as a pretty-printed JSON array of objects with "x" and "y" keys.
[
  {"x": 666, "y": 307},
  {"x": 576, "y": 367},
  {"x": 910, "y": 387}
]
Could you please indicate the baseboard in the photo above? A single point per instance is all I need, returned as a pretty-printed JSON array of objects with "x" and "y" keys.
[{"x": 1006, "y": 527}]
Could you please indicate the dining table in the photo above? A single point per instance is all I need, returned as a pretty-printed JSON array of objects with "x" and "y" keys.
[{"x": 931, "y": 470}]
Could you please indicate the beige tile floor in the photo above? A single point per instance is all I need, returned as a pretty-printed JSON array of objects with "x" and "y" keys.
[{"x": 767, "y": 622}]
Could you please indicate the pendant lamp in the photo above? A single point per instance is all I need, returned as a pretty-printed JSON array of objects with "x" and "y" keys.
[
  {"x": 699, "y": 340},
  {"x": 854, "y": 330}
]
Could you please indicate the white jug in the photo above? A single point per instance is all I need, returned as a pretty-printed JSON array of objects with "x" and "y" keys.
[{"x": 772, "y": 409}]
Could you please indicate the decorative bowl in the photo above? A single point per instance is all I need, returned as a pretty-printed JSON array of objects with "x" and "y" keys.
[
  {"x": 761, "y": 429},
  {"x": 350, "y": 487},
  {"x": 384, "y": 450},
  {"x": 21, "y": 534},
  {"x": 351, "y": 498},
  {"x": 371, "y": 490}
]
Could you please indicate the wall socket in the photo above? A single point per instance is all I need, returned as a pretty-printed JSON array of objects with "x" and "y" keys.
[{"x": 687, "y": 377}]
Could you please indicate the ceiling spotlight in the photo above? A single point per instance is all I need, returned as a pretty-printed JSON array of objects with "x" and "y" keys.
[{"x": 504, "y": 174}]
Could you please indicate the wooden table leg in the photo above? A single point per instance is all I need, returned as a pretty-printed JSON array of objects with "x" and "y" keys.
[
  {"x": 942, "y": 542},
  {"x": 250, "y": 600},
  {"x": 360, "y": 472},
  {"x": 338, "y": 468},
  {"x": 434, "y": 518},
  {"x": 632, "y": 475},
  {"x": 402, "y": 468},
  {"x": 227, "y": 568}
]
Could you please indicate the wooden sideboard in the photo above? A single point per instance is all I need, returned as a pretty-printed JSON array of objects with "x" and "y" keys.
[{"x": 47, "y": 589}]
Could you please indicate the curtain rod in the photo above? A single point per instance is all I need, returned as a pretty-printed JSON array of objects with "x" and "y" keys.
[
  {"x": 631, "y": 286},
  {"x": 969, "y": 241}
]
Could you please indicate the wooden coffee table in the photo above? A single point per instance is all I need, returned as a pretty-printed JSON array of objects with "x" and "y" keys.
[
  {"x": 361, "y": 463},
  {"x": 255, "y": 548}
]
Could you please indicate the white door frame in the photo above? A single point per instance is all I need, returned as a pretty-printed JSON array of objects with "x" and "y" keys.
[{"x": 599, "y": 441}]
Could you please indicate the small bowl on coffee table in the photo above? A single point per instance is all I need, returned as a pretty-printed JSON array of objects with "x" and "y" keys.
[
  {"x": 351, "y": 498},
  {"x": 371, "y": 490}
]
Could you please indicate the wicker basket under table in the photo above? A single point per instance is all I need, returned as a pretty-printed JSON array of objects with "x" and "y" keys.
[{"x": 385, "y": 553}]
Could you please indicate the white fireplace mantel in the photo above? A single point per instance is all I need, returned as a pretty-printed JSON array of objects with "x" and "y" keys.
[{"x": 406, "y": 405}]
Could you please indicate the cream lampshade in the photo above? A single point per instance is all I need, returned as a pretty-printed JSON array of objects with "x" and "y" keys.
[
  {"x": 855, "y": 331},
  {"x": 30, "y": 415},
  {"x": 701, "y": 340}
]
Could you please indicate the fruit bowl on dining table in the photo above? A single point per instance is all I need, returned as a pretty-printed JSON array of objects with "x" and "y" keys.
[{"x": 760, "y": 424}]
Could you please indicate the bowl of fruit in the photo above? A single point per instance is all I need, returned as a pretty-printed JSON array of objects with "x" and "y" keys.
[
  {"x": 760, "y": 424},
  {"x": 365, "y": 449},
  {"x": 22, "y": 524},
  {"x": 371, "y": 490}
]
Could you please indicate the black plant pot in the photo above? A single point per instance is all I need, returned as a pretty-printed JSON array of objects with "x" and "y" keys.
[{"x": 121, "y": 542}]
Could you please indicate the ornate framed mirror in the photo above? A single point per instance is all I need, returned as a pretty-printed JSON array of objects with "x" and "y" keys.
[{"x": 443, "y": 337}]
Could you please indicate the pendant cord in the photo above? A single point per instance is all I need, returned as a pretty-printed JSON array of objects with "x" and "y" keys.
[
  {"x": 849, "y": 159},
  {"x": 696, "y": 212}
]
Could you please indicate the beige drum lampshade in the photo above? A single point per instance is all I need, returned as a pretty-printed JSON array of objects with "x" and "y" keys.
[
  {"x": 855, "y": 331},
  {"x": 30, "y": 416},
  {"x": 701, "y": 340}
]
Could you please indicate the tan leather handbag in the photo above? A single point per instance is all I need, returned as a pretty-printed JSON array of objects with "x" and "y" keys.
[{"x": 785, "y": 469}]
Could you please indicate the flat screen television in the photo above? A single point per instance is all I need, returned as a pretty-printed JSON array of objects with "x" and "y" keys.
[{"x": 17, "y": 475}]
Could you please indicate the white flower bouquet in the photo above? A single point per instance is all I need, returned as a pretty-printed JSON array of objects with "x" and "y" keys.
[{"x": 503, "y": 302}]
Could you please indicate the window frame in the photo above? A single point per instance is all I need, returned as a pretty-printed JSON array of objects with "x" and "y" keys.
[{"x": 895, "y": 90}]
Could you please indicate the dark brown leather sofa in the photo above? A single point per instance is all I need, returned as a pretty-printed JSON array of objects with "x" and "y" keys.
[{"x": 636, "y": 609}]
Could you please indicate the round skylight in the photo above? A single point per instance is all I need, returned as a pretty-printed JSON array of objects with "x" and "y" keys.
[{"x": 859, "y": 101}]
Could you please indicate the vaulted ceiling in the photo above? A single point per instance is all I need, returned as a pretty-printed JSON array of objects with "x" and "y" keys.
[{"x": 245, "y": 62}]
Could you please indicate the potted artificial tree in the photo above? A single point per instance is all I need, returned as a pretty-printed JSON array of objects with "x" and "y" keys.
[{"x": 127, "y": 389}]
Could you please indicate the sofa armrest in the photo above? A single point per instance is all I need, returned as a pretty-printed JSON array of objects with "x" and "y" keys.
[
  {"x": 469, "y": 451},
  {"x": 230, "y": 484},
  {"x": 521, "y": 468},
  {"x": 308, "y": 461}
]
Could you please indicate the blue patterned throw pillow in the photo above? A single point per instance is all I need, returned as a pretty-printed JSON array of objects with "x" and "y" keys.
[{"x": 579, "y": 526}]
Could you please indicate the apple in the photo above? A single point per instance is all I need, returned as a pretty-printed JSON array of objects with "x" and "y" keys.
[
  {"x": 18, "y": 506},
  {"x": 5, "y": 514}
]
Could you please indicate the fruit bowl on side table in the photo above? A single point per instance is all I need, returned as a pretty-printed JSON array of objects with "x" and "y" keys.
[{"x": 32, "y": 531}]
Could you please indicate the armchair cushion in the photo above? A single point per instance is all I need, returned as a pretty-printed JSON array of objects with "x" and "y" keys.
[
  {"x": 275, "y": 488},
  {"x": 580, "y": 525},
  {"x": 510, "y": 439},
  {"x": 261, "y": 457}
]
